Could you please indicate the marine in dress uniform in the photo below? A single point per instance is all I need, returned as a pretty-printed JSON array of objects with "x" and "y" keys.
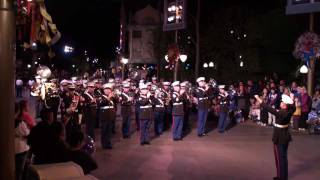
[
  {"x": 167, "y": 105},
  {"x": 184, "y": 92},
  {"x": 202, "y": 99},
  {"x": 71, "y": 102},
  {"x": 145, "y": 113},
  {"x": 90, "y": 109},
  {"x": 223, "y": 101},
  {"x": 281, "y": 134},
  {"x": 178, "y": 102},
  {"x": 126, "y": 100},
  {"x": 158, "y": 111},
  {"x": 107, "y": 114}
]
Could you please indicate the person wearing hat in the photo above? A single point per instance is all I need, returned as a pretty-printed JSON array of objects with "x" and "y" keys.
[
  {"x": 90, "y": 109},
  {"x": 107, "y": 115},
  {"x": 223, "y": 102},
  {"x": 202, "y": 99},
  {"x": 168, "y": 109},
  {"x": 71, "y": 118},
  {"x": 145, "y": 113},
  {"x": 126, "y": 99},
  {"x": 281, "y": 133},
  {"x": 178, "y": 103},
  {"x": 154, "y": 81},
  {"x": 185, "y": 94},
  {"x": 159, "y": 111}
]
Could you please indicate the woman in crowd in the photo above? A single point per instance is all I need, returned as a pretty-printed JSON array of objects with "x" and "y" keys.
[
  {"x": 25, "y": 115},
  {"x": 21, "y": 146}
]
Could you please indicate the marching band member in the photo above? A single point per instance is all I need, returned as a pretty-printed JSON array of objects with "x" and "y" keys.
[
  {"x": 185, "y": 94},
  {"x": 71, "y": 102},
  {"x": 126, "y": 100},
  {"x": 281, "y": 133},
  {"x": 178, "y": 102},
  {"x": 154, "y": 81},
  {"x": 63, "y": 94},
  {"x": 167, "y": 105},
  {"x": 35, "y": 92},
  {"x": 145, "y": 112},
  {"x": 223, "y": 100},
  {"x": 159, "y": 111},
  {"x": 202, "y": 99},
  {"x": 107, "y": 115},
  {"x": 90, "y": 109}
]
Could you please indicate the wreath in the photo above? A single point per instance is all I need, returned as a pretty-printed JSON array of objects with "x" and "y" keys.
[{"x": 307, "y": 47}]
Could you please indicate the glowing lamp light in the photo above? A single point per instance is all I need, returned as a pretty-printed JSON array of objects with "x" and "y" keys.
[
  {"x": 29, "y": 66},
  {"x": 183, "y": 57},
  {"x": 241, "y": 63},
  {"x": 304, "y": 69},
  {"x": 124, "y": 60},
  {"x": 211, "y": 64},
  {"x": 166, "y": 58},
  {"x": 205, "y": 65}
]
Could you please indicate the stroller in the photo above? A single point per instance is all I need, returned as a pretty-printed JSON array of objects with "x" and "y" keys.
[{"x": 314, "y": 122}]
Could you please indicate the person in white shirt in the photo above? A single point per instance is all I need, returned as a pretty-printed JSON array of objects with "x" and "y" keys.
[{"x": 20, "y": 142}]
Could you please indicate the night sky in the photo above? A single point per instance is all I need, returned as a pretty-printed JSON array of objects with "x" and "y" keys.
[{"x": 94, "y": 24}]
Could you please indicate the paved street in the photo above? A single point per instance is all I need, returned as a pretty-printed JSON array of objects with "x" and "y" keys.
[{"x": 245, "y": 152}]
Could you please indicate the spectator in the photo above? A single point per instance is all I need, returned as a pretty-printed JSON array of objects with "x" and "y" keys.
[
  {"x": 316, "y": 101},
  {"x": 46, "y": 140},
  {"x": 19, "y": 87},
  {"x": 297, "y": 114},
  {"x": 264, "y": 112},
  {"x": 20, "y": 142},
  {"x": 25, "y": 115},
  {"x": 77, "y": 155},
  {"x": 305, "y": 108}
]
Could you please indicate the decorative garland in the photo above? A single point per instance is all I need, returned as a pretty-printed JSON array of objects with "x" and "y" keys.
[{"x": 307, "y": 47}]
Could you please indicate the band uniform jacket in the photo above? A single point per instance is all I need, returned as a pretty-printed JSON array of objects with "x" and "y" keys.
[
  {"x": 158, "y": 104},
  {"x": 178, "y": 102},
  {"x": 203, "y": 99},
  {"x": 223, "y": 101},
  {"x": 283, "y": 116},
  {"x": 145, "y": 107},
  {"x": 126, "y": 103},
  {"x": 107, "y": 107}
]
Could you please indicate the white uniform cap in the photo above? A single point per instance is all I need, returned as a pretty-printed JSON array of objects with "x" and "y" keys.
[
  {"x": 183, "y": 84},
  {"x": 126, "y": 85},
  {"x": 143, "y": 86},
  {"x": 64, "y": 82},
  {"x": 38, "y": 77},
  {"x": 111, "y": 80},
  {"x": 286, "y": 99},
  {"x": 148, "y": 83},
  {"x": 107, "y": 86},
  {"x": 221, "y": 86},
  {"x": 201, "y": 79},
  {"x": 176, "y": 83},
  {"x": 166, "y": 83},
  {"x": 72, "y": 86},
  {"x": 154, "y": 78},
  {"x": 141, "y": 81},
  {"x": 90, "y": 84}
]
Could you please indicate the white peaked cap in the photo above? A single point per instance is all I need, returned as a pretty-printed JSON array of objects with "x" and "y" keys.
[
  {"x": 107, "y": 86},
  {"x": 166, "y": 83},
  {"x": 201, "y": 79},
  {"x": 143, "y": 86},
  {"x": 176, "y": 83}
]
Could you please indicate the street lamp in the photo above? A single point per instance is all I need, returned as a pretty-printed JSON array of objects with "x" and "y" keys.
[
  {"x": 183, "y": 58},
  {"x": 211, "y": 64},
  {"x": 29, "y": 66},
  {"x": 241, "y": 63},
  {"x": 205, "y": 65},
  {"x": 124, "y": 61},
  {"x": 304, "y": 69},
  {"x": 68, "y": 49}
]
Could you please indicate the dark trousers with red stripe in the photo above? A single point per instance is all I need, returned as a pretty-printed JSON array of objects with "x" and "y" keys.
[{"x": 281, "y": 158}]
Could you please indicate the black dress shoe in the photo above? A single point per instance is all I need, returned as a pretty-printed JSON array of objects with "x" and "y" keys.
[
  {"x": 147, "y": 143},
  {"x": 143, "y": 143},
  {"x": 276, "y": 178}
]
